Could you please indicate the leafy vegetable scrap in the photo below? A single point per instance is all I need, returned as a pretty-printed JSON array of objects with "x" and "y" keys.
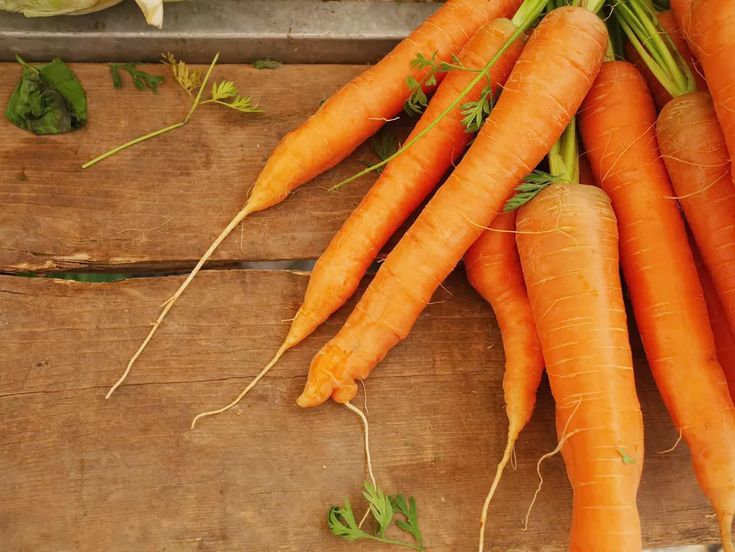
[
  {"x": 342, "y": 523},
  {"x": 141, "y": 79},
  {"x": 48, "y": 99},
  {"x": 224, "y": 93}
]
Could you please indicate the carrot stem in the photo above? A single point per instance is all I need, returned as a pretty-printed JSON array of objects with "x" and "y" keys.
[
  {"x": 137, "y": 140},
  {"x": 655, "y": 47},
  {"x": 564, "y": 156}
]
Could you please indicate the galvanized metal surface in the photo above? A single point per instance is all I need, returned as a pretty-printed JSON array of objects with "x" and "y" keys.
[{"x": 292, "y": 31}]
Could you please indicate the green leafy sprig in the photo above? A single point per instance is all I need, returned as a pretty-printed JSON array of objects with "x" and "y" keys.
[
  {"x": 224, "y": 93},
  {"x": 342, "y": 523},
  {"x": 477, "y": 111},
  {"x": 384, "y": 144},
  {"x": 530, "y": 188},
  {"x": 266, "y": 64},
  {"x": 141, "y": 79}
]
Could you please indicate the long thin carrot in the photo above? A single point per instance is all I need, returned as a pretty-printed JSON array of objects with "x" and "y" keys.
[
  {"x": 348, "y": 118},
  {"x": 545, "y": 88},
  {"x": 494, "y": 270},
  {"x": 724, "y": 340},
  {"x": 568, "y": 245},
  {"x": 617, "y": 126},
  {"x": 711, "y": 31},
  {"x": 402, "y": 186}
]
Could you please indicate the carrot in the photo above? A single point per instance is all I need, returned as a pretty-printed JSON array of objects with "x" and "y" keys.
[
  {"x": 724, "y": 341},
  {"x": 694, "y": 151},
  {"x": 711, "y": 31},
  {"x": 617, "y": 126},
  {"x": 544, "y": 90},
  {"x": 660, "y": 95},
  {"x": 568, "y": 246},
  {"x": 406, "y": 181},
  {"x": 348, "y": 118},
  {"x": 494, "y": 270}
]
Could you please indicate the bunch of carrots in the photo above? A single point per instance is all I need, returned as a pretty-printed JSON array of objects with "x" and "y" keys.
[{"x": 505, "y": 90}]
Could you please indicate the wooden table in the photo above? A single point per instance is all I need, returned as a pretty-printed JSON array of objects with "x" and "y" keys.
[{"x": 78, "y": 472}]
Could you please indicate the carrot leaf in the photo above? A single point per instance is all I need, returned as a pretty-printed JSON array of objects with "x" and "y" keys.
[
  {"x": 476, "y": 112},
  {"x": 380, "y": 507},
  {"x": 529, "y": 188},
  {"x": 266, "y": 64},
  {"x": 411, "y": 523},
  {"x": 342, "y": 522},
  {"x": 141, "y": 79},
  {"x": 224, "y": 93},
  {"x": 627, "y": 459},
  {"x": 384, "y": 144}
]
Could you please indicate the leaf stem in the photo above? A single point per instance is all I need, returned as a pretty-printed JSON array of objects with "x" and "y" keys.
[
  {"x": 655, "y": 47},
  {"x": 529, "y": 12},
  {"x": 387, "y": 540},
  {"x": 201, "y": 88},
  {"x": 137, "y": 140},
  {"x": 564, "y": 157}
]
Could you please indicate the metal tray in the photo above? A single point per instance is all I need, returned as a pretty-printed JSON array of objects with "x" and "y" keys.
[{"x": 292, "y": 31}]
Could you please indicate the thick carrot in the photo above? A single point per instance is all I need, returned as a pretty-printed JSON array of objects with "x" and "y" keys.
[
  {"x": 404, "y": 183},
  {"x": 660, "y": 95},
  {"x": 712, "y": 33},
  {"x": 545, "y": 88},
  {"x": 348, "y": 118},
  {"x": 617, "y": 126},
  {"x": 494, "y": 270},
  {"x": 693, "y": 148},
  {"x": 568, "y": 245},
  {"x": 724, "y": 341}
]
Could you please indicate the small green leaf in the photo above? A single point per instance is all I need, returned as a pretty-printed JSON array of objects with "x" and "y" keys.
[
  {"x": 411, "y": 523},
  {"x": 48, "y": 99},
  {"x": 341, "y": 522},
  {"x": 380, "y": 507},
  {"x": 529, "y": 188},
  {"x": 627, "y": 459},
  {"x": 141, "y": 79},
  {"x": 476, "y": 112},
  {"x": 266, "y": 64}
]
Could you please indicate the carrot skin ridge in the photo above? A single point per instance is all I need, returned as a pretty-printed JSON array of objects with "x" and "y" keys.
[
  {"x": 617, "y": 126},
  {"x": 545, "y": 88},
  {"x": 568, "y": 246}
]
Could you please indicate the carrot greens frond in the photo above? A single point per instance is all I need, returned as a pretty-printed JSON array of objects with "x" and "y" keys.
[
  {"x": 476, "y": 112},
  {"x": 342, "y": 522},
  {"x": 224, "y": 93},
  {"x": 529, "y": 188},
  {"x": 417, "y": 101},
  {"x": 141, "y": 79}
]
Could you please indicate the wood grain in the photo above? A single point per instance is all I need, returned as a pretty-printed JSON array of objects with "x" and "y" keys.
[
  {"x": 160, "y": 204},
  {"x": 78, "y": 473}
]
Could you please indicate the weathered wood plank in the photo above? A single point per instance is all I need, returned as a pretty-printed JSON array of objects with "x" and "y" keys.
[
  {"x": 81, "y": 473},
  {"x": 159, "y": 204}
]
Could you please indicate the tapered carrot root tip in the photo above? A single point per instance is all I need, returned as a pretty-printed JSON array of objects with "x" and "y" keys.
[
  {"x": 726, "y": 531},
  {"x": 507, "y": 454},
  {"x": 169, "y": 303}
]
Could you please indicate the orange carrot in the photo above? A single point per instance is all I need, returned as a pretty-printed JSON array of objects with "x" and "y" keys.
[
  {"x": 724, "y": 341},
  {"x": 348, "y": 118},
  {"x": 617, "y": 126},
  {"x": 660, "y": 95},
  {"x": 568, "y": 245},
  {"x": 545, "y": 88},
  {"x": 693, "y": 148},
  {"x": 494, "y": 270},
  {"x": 404, "y": 183},
  {"x": 712, "y": 33}
]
